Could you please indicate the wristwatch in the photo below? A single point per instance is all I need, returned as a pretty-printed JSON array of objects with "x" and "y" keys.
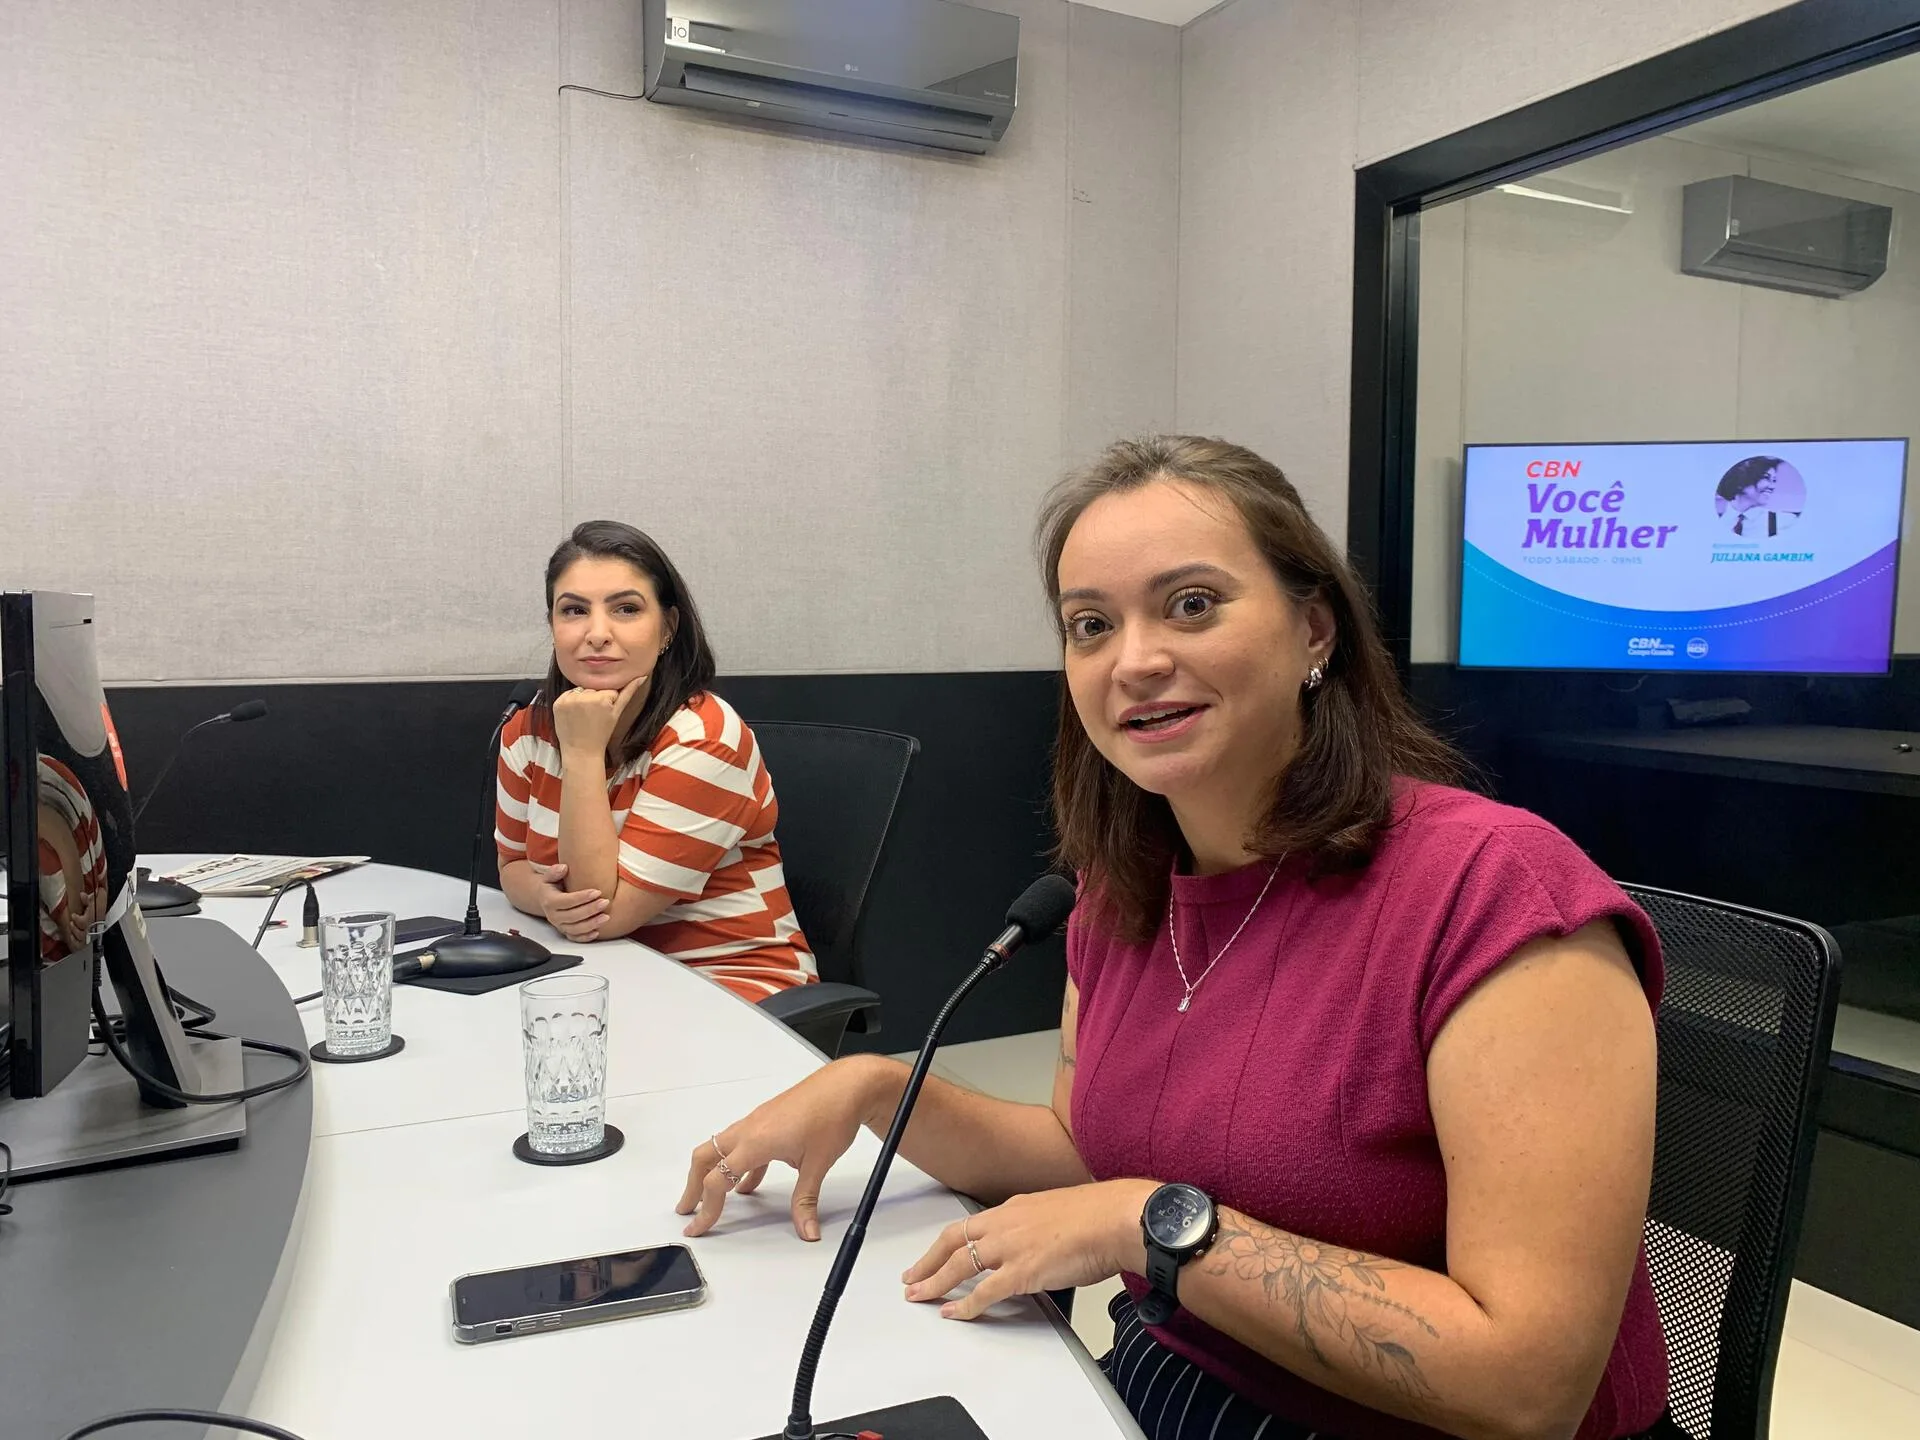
[{"x": 1178, "y": 1223}]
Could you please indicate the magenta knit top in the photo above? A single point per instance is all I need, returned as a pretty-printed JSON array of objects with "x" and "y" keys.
[{"x": 1294, "y": 1088}]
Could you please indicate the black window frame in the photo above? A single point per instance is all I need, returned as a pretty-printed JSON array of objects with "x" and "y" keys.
[{"x": 1789, "y": 49}]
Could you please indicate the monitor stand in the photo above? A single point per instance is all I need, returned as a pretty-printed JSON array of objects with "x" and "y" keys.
[{"x": 96, "y": 1117}]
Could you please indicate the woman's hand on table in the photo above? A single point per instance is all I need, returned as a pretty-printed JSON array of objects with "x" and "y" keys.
[
  {"x": 808, "y": 1127},
  {"x": 1054, "y": 1240}
]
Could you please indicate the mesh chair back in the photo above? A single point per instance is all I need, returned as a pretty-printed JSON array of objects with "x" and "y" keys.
[
  {"x": 837, "y": 786},
  {"x": 1745, "y": 1028}
]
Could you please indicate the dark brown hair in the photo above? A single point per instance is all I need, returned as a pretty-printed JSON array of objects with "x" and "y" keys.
[
  {"x": 684, "y": 671},
  {"x": 1357, "y": 729}
]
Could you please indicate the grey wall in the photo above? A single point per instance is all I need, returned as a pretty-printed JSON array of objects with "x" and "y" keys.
[
  {"x": 1427, "y": 70},
  {"x": 324, "y": 322},
  {"x": 1551, "y": 322},
  {"x": 1280, "y": 101},
  {"x": 281, "y": 378},
  {"x": 1269, "y": 105}
]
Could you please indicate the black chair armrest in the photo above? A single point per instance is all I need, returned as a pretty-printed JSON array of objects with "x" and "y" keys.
[{"x": 822, "y": 1013}]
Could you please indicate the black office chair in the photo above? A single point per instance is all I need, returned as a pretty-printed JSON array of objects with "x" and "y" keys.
[
  {"x": 1745, "y": 1030},
  {"x": 837, "y": 786}
]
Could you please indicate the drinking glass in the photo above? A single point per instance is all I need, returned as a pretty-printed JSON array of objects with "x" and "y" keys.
[
  {"x": 356, "y": 979},
  {"x": 563, "y": 1026}
]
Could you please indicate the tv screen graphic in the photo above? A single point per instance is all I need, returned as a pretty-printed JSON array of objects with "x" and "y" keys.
[{"x": 1741, "y": 555}]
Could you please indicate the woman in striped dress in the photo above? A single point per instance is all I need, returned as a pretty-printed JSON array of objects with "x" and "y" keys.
[{"x": 632, "y": 799}]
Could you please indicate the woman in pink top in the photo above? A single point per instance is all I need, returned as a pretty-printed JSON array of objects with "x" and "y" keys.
[{"x": 1356, "y": 1083}]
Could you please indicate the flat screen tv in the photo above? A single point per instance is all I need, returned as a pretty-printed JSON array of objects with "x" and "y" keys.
[{"x": 1734, "y": 555}]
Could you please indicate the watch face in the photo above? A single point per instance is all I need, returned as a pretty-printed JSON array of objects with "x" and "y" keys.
[{"x": 1177, "y": 1216}]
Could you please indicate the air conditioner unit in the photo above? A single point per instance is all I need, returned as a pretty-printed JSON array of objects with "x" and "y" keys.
[
  {"x": 1759, "y": 233},
  {"x": 930, "y": 72}
]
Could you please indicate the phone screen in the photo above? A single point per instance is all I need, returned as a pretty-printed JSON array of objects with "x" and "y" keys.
[{"x": 570, "y": 1284}]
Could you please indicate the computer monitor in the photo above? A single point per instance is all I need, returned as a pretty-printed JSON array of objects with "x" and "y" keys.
[
  {"x": 70, "y": 861},
  {"x": 1740, "y": 555}
]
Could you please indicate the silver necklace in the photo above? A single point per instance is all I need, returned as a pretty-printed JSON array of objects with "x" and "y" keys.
[{"x": 1193, "y": 985}]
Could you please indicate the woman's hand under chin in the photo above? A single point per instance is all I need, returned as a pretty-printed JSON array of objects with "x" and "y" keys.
[{"x": 584, "y": 720}]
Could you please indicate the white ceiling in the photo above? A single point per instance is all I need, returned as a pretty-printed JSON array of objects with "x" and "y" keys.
[
  {"x": 1167, "y": 12},
  {"x": 1866, "y": 124}
]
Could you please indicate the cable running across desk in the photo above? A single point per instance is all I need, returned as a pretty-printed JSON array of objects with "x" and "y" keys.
[
  {"x": 303, "y": 1066},
  {"x": 312, "y": 906},
  {"x": 193, "y": 1015},
  {"x": 181, "y": 1417},
  {"x": 312, "y": 903}
]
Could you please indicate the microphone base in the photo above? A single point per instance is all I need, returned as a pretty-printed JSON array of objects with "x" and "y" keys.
[
  {"x": 941, "y": 1418},
  {"x": 459, "y": 957}
]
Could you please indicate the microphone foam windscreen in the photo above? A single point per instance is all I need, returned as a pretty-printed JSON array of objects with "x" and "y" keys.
[
  {"x": 1043, "y": 907},
  {"x": 248, "y": 710},
  {"x": 523, "y": 693}
]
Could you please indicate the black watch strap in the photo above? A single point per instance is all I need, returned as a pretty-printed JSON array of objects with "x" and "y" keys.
[{"x": 1162, "y": 1299}]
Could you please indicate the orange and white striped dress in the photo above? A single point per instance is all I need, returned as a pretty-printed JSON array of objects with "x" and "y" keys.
[
  {"x": 65, "y": 903},
  {"x": 695, "y": 815}
]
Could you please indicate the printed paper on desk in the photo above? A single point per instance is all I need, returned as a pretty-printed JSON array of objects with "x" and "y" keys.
[{"x": 259, "y": 874}]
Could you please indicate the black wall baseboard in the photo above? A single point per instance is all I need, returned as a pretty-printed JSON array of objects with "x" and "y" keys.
[{"x": 393, "y": 769}]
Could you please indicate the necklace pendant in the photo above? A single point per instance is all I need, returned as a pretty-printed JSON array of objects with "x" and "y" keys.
[{"x": 1185, "y": 1001}]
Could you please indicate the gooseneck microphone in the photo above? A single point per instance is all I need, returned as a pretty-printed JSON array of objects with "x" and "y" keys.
[
  {"x": 245, "y": 710},
  {"x": 1042, "y": 908},
  {"x": 475, "y": 951},
  {"x": 163, "y": 897}
]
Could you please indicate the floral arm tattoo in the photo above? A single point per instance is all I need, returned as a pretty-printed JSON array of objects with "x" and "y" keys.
[{"x": 1333, "y": 1299}]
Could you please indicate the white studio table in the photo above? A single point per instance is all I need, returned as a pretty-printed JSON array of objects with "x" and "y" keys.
[{"x": 411, "y": 1181}]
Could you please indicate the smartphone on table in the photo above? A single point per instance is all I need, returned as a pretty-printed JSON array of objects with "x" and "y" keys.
[
  {"x": 499, "y": 1304},
  {"x": 423, "y": 927}
]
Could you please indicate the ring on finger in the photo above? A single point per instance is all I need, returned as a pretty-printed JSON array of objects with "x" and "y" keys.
[
  {"x": 973, "y": 1253},
  {"x": 720, "y": 1161}
]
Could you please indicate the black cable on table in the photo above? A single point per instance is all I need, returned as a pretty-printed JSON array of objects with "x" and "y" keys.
[
  {"x": 6, "y": 1176},
  {"x": 192, "y": 1014},
  {"x": 303, "y": 1066},
  {"x": 181, "y": 1417},
  {"x": 203, "y": 1014},
  {"x": 274, "y": 904},
  {"x": 312, "y": 906}
]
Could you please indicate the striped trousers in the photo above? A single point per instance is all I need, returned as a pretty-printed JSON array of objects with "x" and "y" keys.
[{"x": 1171, "y": 1398}]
